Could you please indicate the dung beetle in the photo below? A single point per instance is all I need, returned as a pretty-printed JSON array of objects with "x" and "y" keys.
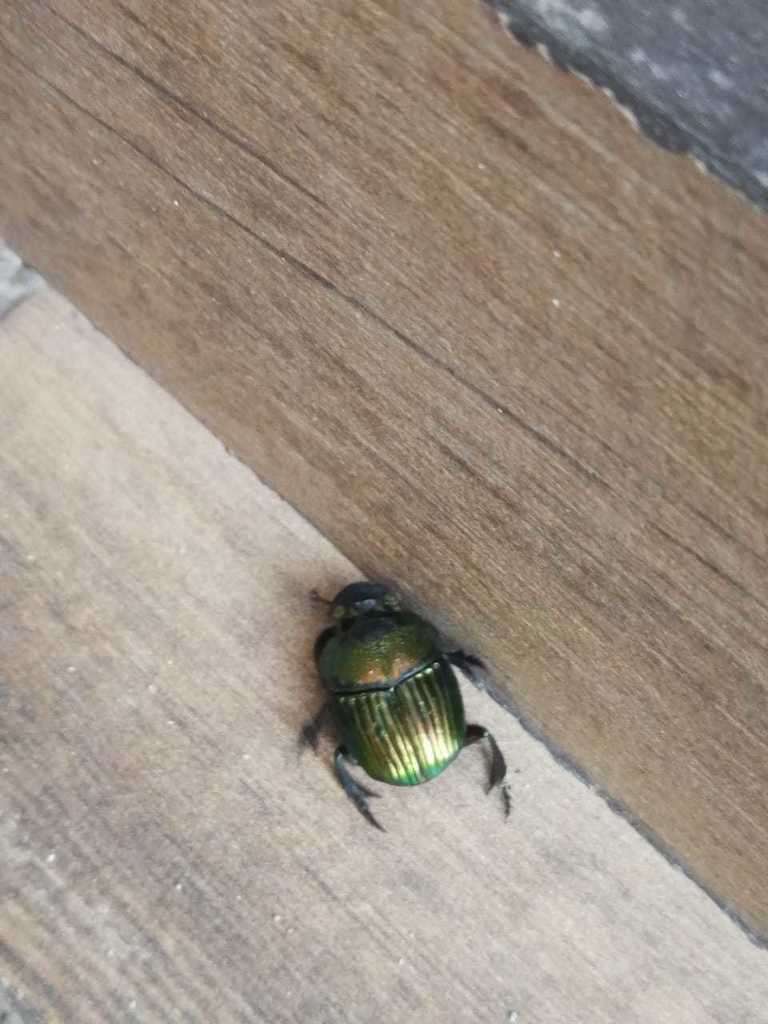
[{"x": 393, "y": 694}]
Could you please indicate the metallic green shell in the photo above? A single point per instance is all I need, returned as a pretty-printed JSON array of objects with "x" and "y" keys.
[
  {"x": 409, "y": 733},
  {"x": 376, "y": 650}
]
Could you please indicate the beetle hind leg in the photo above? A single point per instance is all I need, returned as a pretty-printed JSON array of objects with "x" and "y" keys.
[
  {"x": 356, "y": 792},
  {"x": 476, "y": 733}
]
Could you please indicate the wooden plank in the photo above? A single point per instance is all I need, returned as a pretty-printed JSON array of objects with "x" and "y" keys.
[
  {"x": 167, "y": 857},
  {"x": 491, "y": 342}
]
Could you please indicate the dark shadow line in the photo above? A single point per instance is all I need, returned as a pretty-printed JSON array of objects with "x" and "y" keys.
[{"x": 197, "y": 112}]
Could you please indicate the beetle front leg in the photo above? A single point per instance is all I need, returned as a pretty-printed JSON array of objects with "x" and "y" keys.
[
  {"x": 310, "y": 733},
  {"x": 474, "y": 734},
  {"x": 357, "y": 794},
  {"x": 468, "y": 663}
]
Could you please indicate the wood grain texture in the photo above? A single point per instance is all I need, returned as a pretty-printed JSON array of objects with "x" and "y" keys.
[
  {"x": 494, "y": 344},
  {"x": 166, "y": 856}
]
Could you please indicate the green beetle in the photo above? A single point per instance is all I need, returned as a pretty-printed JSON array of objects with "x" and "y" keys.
[{"x": 393, "y": 694}]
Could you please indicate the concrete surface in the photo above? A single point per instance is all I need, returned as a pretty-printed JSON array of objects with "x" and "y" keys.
[
  {"x": 166, "y": 856},
  {"x": 692, "y": 73}
]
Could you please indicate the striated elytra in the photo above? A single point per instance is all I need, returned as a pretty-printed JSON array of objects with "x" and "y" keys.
[{"x": 393, "y": 694}]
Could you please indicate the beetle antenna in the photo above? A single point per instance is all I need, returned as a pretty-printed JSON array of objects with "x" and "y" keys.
[{"x": 317, "y": 598}]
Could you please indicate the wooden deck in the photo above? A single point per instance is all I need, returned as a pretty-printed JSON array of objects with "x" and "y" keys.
[
  {"x": 488, "y": 339},
  {"x": 165, "y": 855}
]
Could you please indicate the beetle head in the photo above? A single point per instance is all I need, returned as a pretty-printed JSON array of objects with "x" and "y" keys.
[{"x": 363, "y": 599}]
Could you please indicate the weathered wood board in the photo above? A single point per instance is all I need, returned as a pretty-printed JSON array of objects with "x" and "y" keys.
[
  {"x": 490, "y": 341},
  {"x": 166, "y": 856}
]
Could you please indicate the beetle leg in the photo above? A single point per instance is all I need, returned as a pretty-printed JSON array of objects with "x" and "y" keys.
[
  {"x": 310, "y": 734},
  {"x": 474, "y": 734},
  {"x": 467, "y": 663},
  {"x": 321, "y": 641},
  {"x": 355, "y": 791}
]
